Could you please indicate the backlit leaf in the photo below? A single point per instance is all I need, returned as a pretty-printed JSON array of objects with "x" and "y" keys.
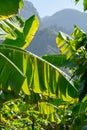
[
  {"x": 41, "y": 76},
  {"x": 9, "y": 74},
  {"x": 19, "y": 33}
]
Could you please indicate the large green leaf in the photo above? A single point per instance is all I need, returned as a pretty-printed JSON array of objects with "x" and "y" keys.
[
  {"x": 49, "y": 112},
  {"x": 19, "y": 33},
  {"x": 11, "y": 28},
  {"x": 10, "y": 75},
  {"x": 9, "y": 7},
  {"x": 65, "y": 44},
  {"x": 30, "y": 28},
  {"x": 58, "y": 60},
  {"x": 42, "y": 77}
]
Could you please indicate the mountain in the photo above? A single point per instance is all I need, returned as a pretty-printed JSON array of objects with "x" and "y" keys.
[
  {"x": 65, "y": 20},
  {"x": 44, "y": 42}
]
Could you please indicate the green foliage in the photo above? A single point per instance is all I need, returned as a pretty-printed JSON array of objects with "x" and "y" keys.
[
  {"x": 37, "y": 95},
  {"x": 19, "y": 33},
  {"x": 46, "y": 81},
  {"x": 8, "y": 73},
  {"x": 11, "y": 9},
  {"x": 57, "y": 60},
  {"x": 32, "y": 79},
  {"x": 75, "y": 49}
]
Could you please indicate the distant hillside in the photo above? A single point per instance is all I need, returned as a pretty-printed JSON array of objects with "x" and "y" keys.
[
  {"x": 65, "y": 20},
  {"x": 44, "y": 42}
]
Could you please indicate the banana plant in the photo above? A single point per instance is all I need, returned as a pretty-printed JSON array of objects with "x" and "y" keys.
[
  {"x": 49, "y": 79},
  {"x": 75, "y": 49},
  {"x": 74, "y": 57},
  {"x": 25, "y": 74},
  {"x": 28, "y": 74}
]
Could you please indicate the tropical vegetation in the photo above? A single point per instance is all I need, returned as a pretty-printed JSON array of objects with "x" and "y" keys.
[{"x": 35, "y": 92}]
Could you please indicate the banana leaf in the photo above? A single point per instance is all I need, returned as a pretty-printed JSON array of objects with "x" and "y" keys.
[
  {"x": 10, "y": 75},
  {"x": 58, "y": 60},
  {"x": 41, "y": 76},
  {"x": 19, "y": 33}
]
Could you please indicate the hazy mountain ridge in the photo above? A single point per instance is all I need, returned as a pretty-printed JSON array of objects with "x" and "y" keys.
[
  {"x": 44, "y": 42},
  {"x": 64, "y": 20}
]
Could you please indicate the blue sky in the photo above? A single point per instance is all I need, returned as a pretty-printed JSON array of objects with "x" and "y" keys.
[{"x": 49, "y": 7}]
